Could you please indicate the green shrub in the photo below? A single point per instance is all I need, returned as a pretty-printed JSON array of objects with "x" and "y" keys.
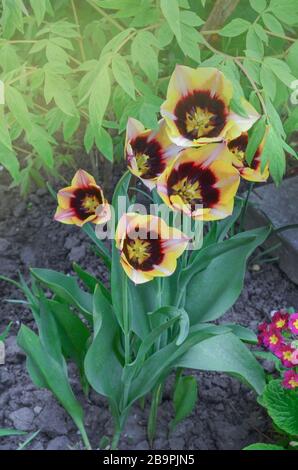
[{"x": 75, "y": 71}]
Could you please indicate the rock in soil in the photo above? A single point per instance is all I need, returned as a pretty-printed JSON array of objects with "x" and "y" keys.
[{"x": 22, "y": 419}]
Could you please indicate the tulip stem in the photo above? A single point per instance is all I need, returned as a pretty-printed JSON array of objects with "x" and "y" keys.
[
  {"x": 126, "y": 326},
  {"x": 244, "y": 210},
  {"x": 85, "y": 438},
  {"x": 156, "y": 398},
  {"x": 116, "y": 438}
]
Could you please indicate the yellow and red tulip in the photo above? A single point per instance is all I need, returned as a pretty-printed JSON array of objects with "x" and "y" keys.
[
  {"x": 82, "y": 202},
  {"x": 201, "y": 182},
  {"x": 149, "y": 247},
  {"x": 148, "y": 152},
  {"x": 197, "y": 108},
  {"x": 252, "y": 172}
]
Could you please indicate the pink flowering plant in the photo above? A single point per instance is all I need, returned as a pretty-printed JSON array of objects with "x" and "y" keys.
[{"x": 279, "y": 338}]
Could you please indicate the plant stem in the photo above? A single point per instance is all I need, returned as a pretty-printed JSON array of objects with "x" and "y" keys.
[
  {"x": 244, "y": 210},
  {"x": 75, "y": 14},
  {"x": 22, "y": 76},
  {"x": 106, "y": 16},
  {"x": 85, "y": 438},
  {"x": 156, "y": 398},
  {"x": 281, "y": 36},
  {"x": 253, "y": 84},
  {"x": 237, "y": 61},
  {"x": 285, "y": 227},
  {"x": 126, "y": 321},
  {"x": 116, "y": 438}
]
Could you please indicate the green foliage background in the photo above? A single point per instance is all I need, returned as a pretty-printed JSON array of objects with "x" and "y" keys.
[{"x": 75, "y": 70}]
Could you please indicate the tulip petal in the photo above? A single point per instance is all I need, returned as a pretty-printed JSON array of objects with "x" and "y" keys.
[
  {"x": 196, "y": 107},
  {"x": 149, "y": 248},
  {"x": 64, "y": 215},
  {"x": 148, "y": 152},
  {"x": 241, "y": 123},
  {"x": 201, "y": 182},
  {"x": 252, "y": 172},
  {"x": 64, "y": 196},
  {"x": 82, "y": 179},
  {"x": 138, "y": 277},
  {"x": 77, "y": 204}
]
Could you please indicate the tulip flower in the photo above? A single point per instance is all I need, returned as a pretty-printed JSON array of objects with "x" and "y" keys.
[
  {"x": 252, "y": 172},
  {"x": 201, "y": 182},
  {"x": 149, "y": 247},
  {"x": 82, "y": 202},
  {"x": 197, "y": 109},
  {"x": 148, "y": 152}
]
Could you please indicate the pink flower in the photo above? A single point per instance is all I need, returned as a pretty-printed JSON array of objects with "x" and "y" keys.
[
  {"x": 294, "y": 358},
  {"x": 272, "y": 338},
  {"x": 293, "y": 323},
  {"x": 285, "y": 352},
  {"x": 290, "y": 379},
  {"x": 280, "y": 320}
]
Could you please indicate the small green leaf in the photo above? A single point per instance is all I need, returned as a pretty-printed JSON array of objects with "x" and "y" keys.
[
  {"x": 263, "y": 446},
  {"x": 55, "y": 53},
  {"x": 254, "y": 44},
  {"x": 185, "y": 397},
  {"x": 39, "y": 9},
  {"x": 274, "y": 154},
  {"x": 70, "y": 125},
  {"x": 280, "y": 69},
  {"x": 272, "y": 23},
  {"x": 89, "y": 138},
  {"x": 189, "y": 42},
  {"x": 104, "y": 143},
  {"x": 99, "y": 98},
  {"x": 292, "y": 58},
  {"x": 268, "y": 81},
  {"x": 190, "y": 18},
  {"x": 261, "y": 33},
  {"x": 170, "y": 10},
  {"x": 258, "y": 5},
  {"x": 40, "y": 140},
  {"x": 123, "y": 75},
  {"x": 286, "y": 11},
  {"x": 58, "y": 88},
  {"x": 164, "y": 35},
  {"x": 255, "y": 138},
  {"x": 236, "y": 27},
  {"x": 4, "y": 432},
  {"x": 143, "y": 53},
  {"x": 18, "y": 106}
]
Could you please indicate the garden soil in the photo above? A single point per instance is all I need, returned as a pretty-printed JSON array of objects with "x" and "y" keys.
[{"x": 226, "y": 416}]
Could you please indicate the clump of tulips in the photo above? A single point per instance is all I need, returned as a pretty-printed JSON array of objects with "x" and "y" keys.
[{"x": 157, "y": 316}]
